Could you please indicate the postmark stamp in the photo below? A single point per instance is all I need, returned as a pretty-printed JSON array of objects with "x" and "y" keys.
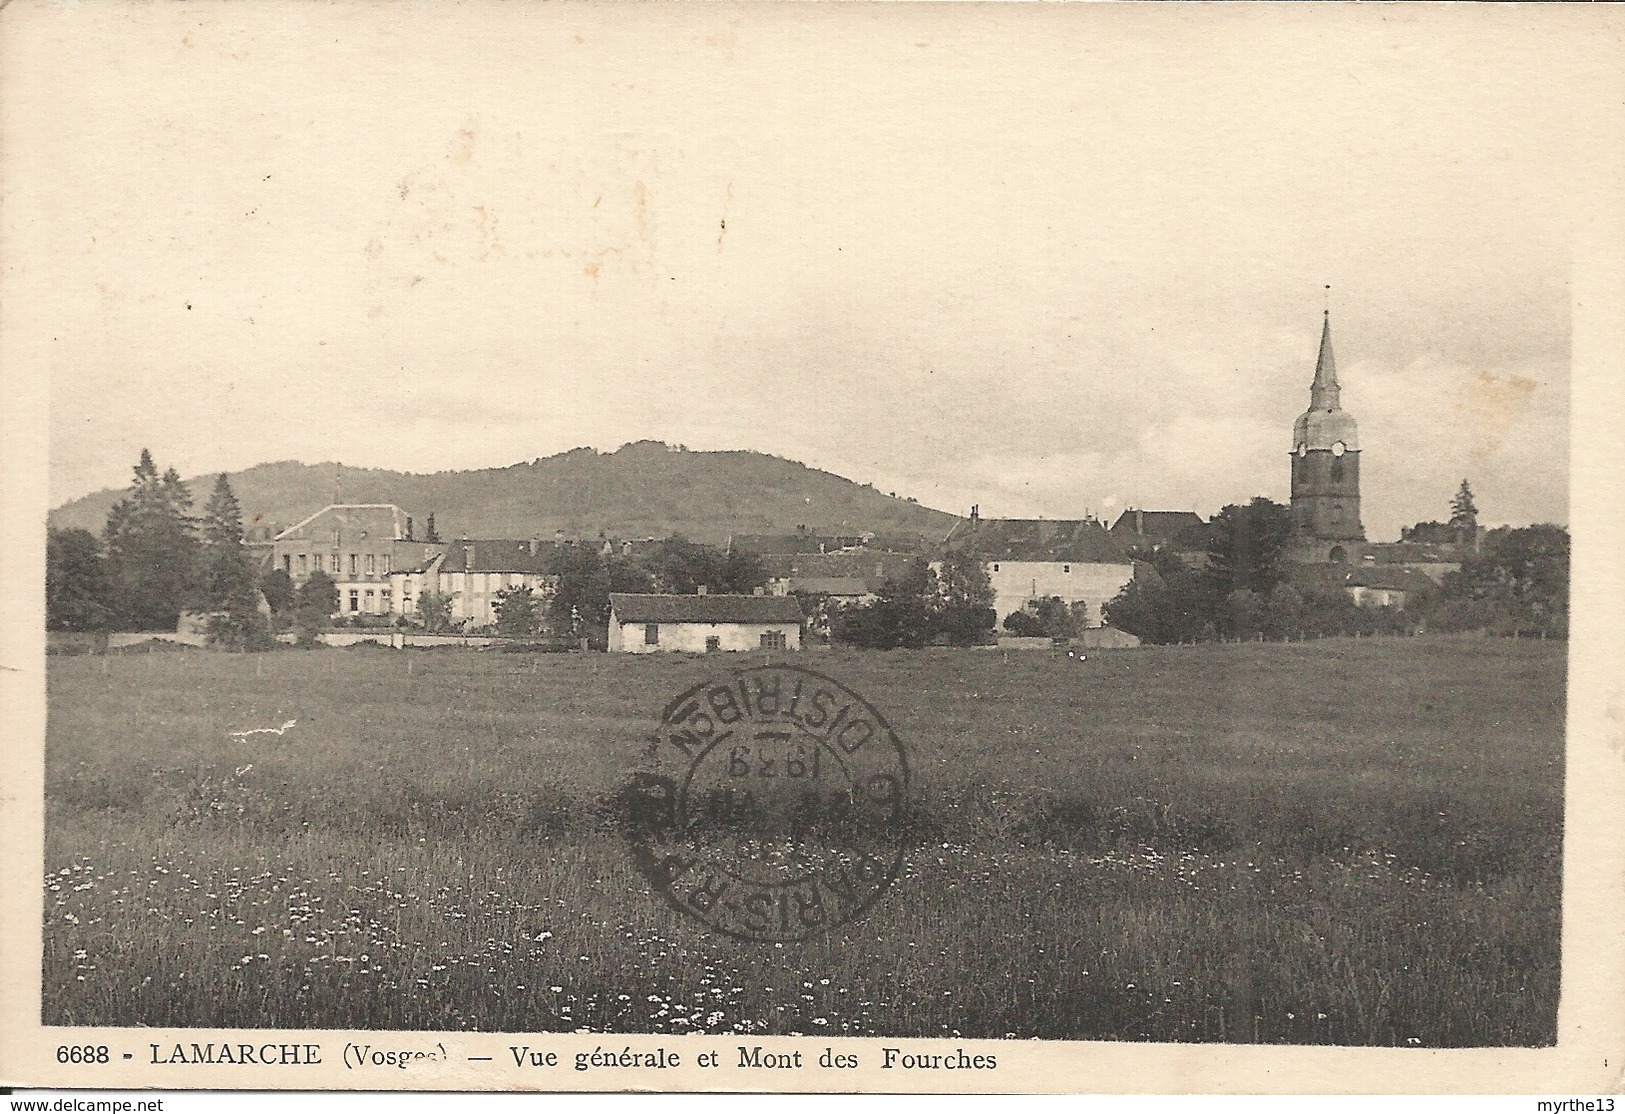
[{"x": 772, "y": 805}]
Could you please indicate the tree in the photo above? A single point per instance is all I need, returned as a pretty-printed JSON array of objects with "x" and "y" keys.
[
  {"x": 586, "y": 578},
  {"x": 1464, "y": 512},
  {"x": 1165, "y": 602},
  {"x": 681, "y": 567},
  {"x": 1284, "y": 611},
  {"x": 1246, "y": 546},
  {"x": 1055, "y": 617},
  {"x": 583, "y": 595},
  {"x": 434, "y": 610},
  {"x": 313, "y": 613},
  {"x": 965, "y": 600},
  {"x": 1024, "y": 624},
  {"x": 1431, "y": 532},
  {"x": 152, "y": 550},
  {"x": 277, "y": 588},
  {"x": 1244, "y": 613},
  {"x": 230, "y": 596},
  {"x": 518, "y": 612},
  {"x": 76, "y": 587},
  {"x": 1522, "y": 574},
  {"x": 903, "y": 616}
]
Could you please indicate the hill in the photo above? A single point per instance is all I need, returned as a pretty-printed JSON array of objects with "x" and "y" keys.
[{"x": 645, "y": 489}]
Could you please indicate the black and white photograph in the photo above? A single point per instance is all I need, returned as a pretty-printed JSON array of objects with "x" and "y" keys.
[{"x": 574, "y": 546}]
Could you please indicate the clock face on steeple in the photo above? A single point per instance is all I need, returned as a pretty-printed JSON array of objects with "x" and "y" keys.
[{"x": 1338, "y": 449}]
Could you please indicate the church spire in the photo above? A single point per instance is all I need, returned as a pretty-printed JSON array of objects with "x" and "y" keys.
[{"x": 1324, "y": 394}]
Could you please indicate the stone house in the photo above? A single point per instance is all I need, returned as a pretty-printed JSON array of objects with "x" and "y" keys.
[{"x": 646, "y": 624}]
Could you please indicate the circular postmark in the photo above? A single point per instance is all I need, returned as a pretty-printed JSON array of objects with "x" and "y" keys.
[{"x": 772, "y": 805}]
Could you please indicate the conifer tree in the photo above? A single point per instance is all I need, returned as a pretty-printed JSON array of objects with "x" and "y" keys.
[
  {"x": 230, "y": 595},
  {"x": 152, "y": 550},
  {"x": 1464, "y": 514},
  {"x": 76, "y": 593}
]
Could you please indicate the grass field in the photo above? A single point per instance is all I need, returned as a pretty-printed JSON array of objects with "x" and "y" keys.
[{"x": 1350, "y": 842}]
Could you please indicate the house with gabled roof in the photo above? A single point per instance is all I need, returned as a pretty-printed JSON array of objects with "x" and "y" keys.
[
  {"x": 358, "y": 545},
  {"x": 1151, "y": 531},
  {"x": 1027, "y": 559},
  {"x": 473, "y": 573},
  {"x": 646, "y": 624}
]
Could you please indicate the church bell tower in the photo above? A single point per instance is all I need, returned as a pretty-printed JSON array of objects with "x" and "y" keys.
[{"x": 1326, "y": 469}]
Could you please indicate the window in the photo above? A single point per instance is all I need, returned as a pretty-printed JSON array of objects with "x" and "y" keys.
[
  {"x": 712, "y": 644},
  {"x": 287, "y": 563},
  {"x": 651, "y": 634},
  {"x": 773, "y": 640},
  {"x": 334, "y": 566},
  {"x": 354, "y": 564},
  {"x": 387, "y": 599},
  {"x": 1066, "y": 568},
  {"x": 355, "y": 600},
  {"x": 372, "y": 564},
  {"x": 995, "y": 567},
  {"x": 1337, "y": 512},
  {"x": 385, "y": 566}
]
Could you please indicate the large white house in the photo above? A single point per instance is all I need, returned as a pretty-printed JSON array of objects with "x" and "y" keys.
[
  {"x": 360, "y": 546},
  {"x": 473, "y": 572},
  {"x": 647, "y": 624},
  {"x": 1027, "y": 559}
]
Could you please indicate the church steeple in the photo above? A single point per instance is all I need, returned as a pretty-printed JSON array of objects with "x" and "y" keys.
[
  {"x": 1324, "y": 395},
  {"x": 1326, "y": 466}
]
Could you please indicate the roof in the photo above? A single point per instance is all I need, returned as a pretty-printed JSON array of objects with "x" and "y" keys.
[
  {"x": 1325, "y": 423},
  {"x": 1390, "y": 577},
  {"x": 1324, "y": 394},
  {"x": 1325, "y": 577},
  {"x": 1415, "y": 553},
  {"x": 867, "y": 564},
  {"x": 1084, "y": 541},
  {"x": 628, "y": 608},
  {"x": 1184, "y": 527},
  {"x": 372, "y": 520},
  {"x": 814, "y": 543},
  {"x": 831, "y": 585},
  {"x": 497, "y": 555}
]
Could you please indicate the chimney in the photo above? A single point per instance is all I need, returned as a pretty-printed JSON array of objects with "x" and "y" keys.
[
  {"x": 534, "y": 544},
  {"x": 432, "y": 536},
  {"x": 758, "y": 591},
  {"x": 409, "y": 528},
  {"x": 558, "y": 537},
  {"x": 700, "y": 590},
  {"x": 468, "y": 555},
  {"x": 975, "y": 513},
  {"x": 1139, "y": 521}
]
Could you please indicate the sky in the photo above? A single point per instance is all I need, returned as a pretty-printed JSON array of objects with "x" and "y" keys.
[{"x": 1051, "y": 261}]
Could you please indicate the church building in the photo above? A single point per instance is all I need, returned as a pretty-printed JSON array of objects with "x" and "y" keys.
[{"x": 1326, "y": 471}]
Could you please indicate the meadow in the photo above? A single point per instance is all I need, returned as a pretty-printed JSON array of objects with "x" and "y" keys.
[{"x": 1332, "y": 842}]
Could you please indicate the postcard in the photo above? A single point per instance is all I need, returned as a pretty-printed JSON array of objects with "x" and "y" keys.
[{"x": 812, "y": 547}]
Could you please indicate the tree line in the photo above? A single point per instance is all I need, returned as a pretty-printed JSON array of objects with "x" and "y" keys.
[
  {"x": 579, "y": 605},
  {"x": 1515, "y": 581},
  {"x": 157, "y": 559}
]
